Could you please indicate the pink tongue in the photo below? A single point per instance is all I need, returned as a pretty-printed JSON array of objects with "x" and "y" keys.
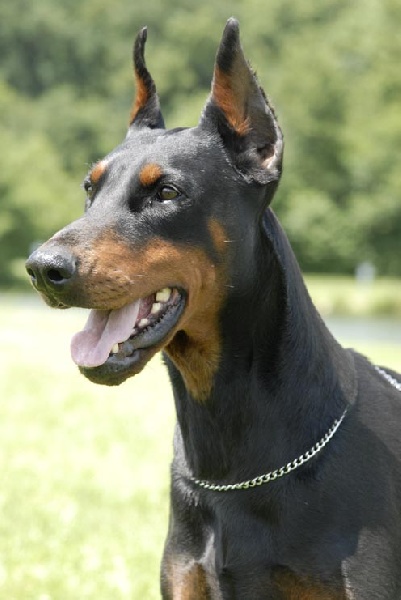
[{"x": 91, "y": 346}]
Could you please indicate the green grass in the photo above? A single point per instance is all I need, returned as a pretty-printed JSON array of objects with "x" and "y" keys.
[
  {"x": 83, "y": 469},
  {"x": 343, "y": 295}
]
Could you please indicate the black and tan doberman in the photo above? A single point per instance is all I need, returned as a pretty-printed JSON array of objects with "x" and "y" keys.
[{"x": 286, "y": 477}]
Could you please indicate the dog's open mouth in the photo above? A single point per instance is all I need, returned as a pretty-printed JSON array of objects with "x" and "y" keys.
[{"x": 113, "y": 341}]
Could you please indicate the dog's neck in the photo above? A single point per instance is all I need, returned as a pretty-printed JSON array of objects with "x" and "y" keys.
[{"x": 282, "y": 378}]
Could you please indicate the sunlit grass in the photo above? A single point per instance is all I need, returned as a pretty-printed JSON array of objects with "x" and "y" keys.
[
  {"x": 343, "y": 295},
  {"x": 83, "y": 468},
  {"x": 384, "y": 354}
]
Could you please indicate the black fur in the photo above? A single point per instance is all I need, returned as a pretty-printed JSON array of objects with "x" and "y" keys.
[{"x": 331, "y": 529}]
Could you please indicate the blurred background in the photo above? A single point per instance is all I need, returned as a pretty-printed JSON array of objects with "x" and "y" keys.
[{"x": 84, "y": 470}]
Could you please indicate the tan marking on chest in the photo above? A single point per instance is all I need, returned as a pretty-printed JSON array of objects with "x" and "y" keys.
[
  {"x": 193, "y": 585},
  {"x": 189, "y": 583},
  {"x": 294, "y": 587}
]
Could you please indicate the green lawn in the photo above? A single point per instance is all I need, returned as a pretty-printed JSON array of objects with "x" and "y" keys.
[
  {"x": 83, "y": 468},
  {"x": 344, "y": 295}
]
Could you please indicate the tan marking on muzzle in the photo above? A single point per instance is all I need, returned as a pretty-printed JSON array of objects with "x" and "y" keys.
[{"x": 112, "y": 274}]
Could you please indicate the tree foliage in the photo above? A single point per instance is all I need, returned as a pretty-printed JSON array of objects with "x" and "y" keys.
[{"x": 331, "y": 68}]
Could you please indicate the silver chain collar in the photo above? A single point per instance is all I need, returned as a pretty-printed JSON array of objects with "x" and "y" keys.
[
  {"x": 389, "y": 378},
  {"x": 291, "y": 466}
]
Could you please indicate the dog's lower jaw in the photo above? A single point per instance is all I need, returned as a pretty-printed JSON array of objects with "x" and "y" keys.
[
  {"x": 113, "y": 372},
  {"x": 136, "y": 352}
]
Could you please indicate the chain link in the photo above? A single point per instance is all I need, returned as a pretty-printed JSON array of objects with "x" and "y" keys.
[
  {"x": 277, "y": 473},
  {"x": 389, "y": 378},
  {"x": 291, "y": 466}
]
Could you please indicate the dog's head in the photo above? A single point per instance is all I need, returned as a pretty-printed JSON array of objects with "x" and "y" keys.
[{"x": 170, "y": 223}]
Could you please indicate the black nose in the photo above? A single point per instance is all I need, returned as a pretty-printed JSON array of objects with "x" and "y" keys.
[{"x": 51, "y": 268}]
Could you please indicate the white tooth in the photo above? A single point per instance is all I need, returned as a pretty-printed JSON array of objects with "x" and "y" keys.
[
  {"x": 163, "y": 295},
  {"x": 115, "y": 349},
  {"x": 155, "y": 308},
  {"x": 143, "y": 322}
]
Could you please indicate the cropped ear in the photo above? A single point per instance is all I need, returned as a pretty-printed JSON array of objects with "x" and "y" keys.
[
  {"x": 239, "y": 110},
  {"x": 145, "y": 111}
]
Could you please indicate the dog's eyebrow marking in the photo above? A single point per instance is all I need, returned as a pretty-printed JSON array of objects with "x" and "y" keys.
[
  {"x": 97, "y": 171},
  {"x": 150, "y": 174}
]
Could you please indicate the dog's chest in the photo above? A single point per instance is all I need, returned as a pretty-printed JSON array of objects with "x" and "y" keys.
[
  {"x": 218, "y": 574},
  {"x": 197, "y": 581},
  {"x": 293, "y": 587}
]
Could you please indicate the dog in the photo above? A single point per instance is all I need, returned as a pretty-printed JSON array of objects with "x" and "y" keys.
[{"x": 286, "y": 476}]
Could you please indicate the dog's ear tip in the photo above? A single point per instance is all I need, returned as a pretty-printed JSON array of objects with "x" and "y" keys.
[
  {"x": 232, "y": 24},
  {"x": 141, "y": 37},
  {"x": 140, "y": 41},
  {"x": 239, "y": 111},
  {"x": 231, "y": 32},
  {"x": 145, "y": 111},
  {"x": 229, "y": 47}
]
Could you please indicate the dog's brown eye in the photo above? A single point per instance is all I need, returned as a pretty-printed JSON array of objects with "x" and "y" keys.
[{"x": 168, "y": 192}]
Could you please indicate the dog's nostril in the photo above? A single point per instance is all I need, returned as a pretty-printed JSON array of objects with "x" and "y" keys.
[
  {"x": 51, "y": 269},
  {"x": 60, "y": 270},
  {"x": 56, "y": 276},
  {"x": 31, "y": 274}
]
